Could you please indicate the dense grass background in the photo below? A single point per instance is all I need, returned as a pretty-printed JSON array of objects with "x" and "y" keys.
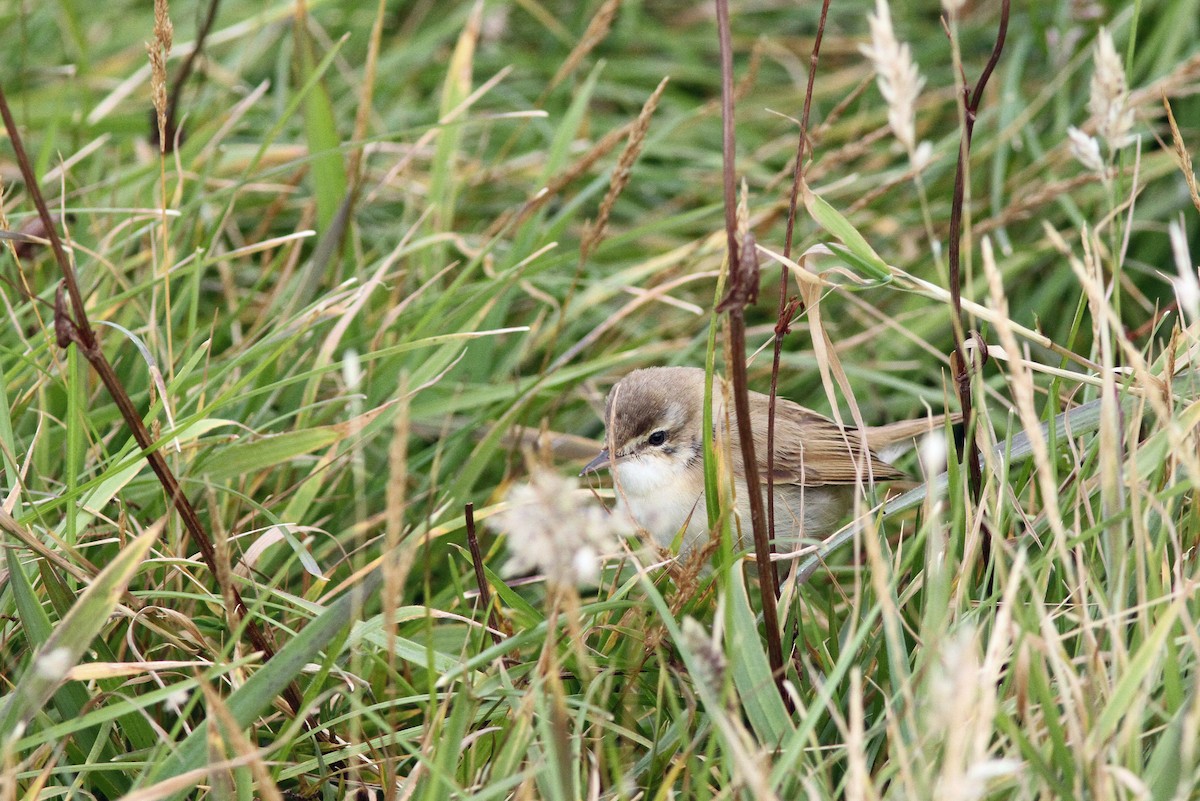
[{"x": 344, "y": 293}]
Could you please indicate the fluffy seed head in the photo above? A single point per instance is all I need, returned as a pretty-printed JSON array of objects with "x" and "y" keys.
[
  {"x": 552, "y": 529},
  {"x": 896, "y": 74},
  {"x": 1085, "y": 149},
  {"x": 710, "y": 657},
  {"x": 1109, "y": 100},
  {"x": 53, "y": 665},
  {"x": 932, "y": 449}
]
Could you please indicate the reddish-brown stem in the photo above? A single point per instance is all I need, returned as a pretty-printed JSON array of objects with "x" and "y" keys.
[
  {"x": 72, "y": 325},
  {"x": 485, "y": 592},
  {"x": 743, "y": 286},
  {"x": 968, "y": 448},
  {"x": 788, "y": 307}
]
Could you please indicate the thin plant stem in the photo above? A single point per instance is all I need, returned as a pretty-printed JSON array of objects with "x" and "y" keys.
[
  {"x": 968, "y": 448},
  {"x": 743, "y": 290},
  {"x": 789, "y": 307}
]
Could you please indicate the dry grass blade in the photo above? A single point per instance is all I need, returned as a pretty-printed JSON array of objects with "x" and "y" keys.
[
  {"x": 622, "y": 172},
  {"x": 597, "y": 29},
  {"x": 561, "y": 181},
  {"x": 1021, "y": 385},
  {"x": 1182, "y": 154}
]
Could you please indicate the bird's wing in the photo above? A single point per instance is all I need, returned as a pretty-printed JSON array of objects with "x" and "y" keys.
[
  {"x": 811, "y": 449},
  {"x": 825, "y": 453}
]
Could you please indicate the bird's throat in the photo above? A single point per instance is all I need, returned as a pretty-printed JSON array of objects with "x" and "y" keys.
[{"x": 661, "y": 496}]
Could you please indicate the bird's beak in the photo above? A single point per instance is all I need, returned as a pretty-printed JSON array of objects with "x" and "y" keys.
[{"x": 602, "y": 460}]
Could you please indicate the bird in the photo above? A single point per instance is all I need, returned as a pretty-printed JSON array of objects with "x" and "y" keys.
[{"x": 655, "y": 450}]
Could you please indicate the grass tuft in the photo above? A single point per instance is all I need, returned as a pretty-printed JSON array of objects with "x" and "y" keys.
[{"x": 367, "y": 265}]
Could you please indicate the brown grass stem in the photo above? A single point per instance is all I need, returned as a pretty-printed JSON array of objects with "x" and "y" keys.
[
  {"x": 788, "y": 307},
  {"x": 744, "y": 290},
  {"x": 171, "y": 125},
  {"x": 485, "y": 592},
  {"x": 968, "y": 447}
]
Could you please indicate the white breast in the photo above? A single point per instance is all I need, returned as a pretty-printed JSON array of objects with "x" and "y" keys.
[{"x": 662, "y": 502}]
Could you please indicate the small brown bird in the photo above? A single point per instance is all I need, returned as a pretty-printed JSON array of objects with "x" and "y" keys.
[{"x": 653, "y": 420}]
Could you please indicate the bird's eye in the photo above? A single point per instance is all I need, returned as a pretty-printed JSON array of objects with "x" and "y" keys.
[{"x": 657, "y": 438}]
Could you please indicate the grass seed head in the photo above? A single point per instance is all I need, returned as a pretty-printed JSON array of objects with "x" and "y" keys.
[
  {"x": 896, "y": 74},
  {"x": 1085, "y": 149},
  {"x": 1109, "y": 100},
  {"x": 553, "y": 530}
]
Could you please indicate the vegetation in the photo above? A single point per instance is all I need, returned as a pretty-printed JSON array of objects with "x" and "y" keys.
[{"x": 395, "y": 261}]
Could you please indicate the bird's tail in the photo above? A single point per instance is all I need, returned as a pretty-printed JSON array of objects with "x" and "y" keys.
[{"x": 894, "y": 438}]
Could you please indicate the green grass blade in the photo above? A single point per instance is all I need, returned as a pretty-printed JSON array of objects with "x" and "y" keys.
[
  {"x": 261, "y": 689},
  {"x": 750, "y": 668},
  {"x": 71, "y": 638}
]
